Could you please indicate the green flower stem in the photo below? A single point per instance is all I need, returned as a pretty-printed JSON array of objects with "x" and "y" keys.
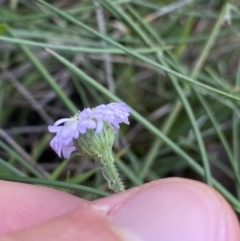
[
  {"x": 99, "y": 147},
  {"x": 110, "y": 173}
]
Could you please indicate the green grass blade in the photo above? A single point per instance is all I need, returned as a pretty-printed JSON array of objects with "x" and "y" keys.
[
  {"x": 24, "y": 163},
  {"x": 134, "y": 54},
  {"x": 4, "y": 165},
  {"x": 56, "y": 184},
  {"x": 76, "y": 49},
  {"x": 46, "y": 76},
  {"x": 58, "y": 170}
]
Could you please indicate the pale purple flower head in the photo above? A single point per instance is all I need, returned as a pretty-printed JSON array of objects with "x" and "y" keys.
[{"x": 72, "y": 128}]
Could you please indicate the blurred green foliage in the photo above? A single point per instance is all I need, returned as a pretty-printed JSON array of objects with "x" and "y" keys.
[{"x": 176, "y": 63}]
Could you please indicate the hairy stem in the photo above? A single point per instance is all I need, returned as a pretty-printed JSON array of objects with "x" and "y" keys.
[{"x": 110, "y": 173}]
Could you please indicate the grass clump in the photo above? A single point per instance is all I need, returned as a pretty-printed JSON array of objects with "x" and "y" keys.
[{"x": 176, "y": 65}]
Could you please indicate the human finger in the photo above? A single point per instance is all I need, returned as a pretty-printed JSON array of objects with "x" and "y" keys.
[
  {"x": 23, "y": 205},
  {"x": 170, "y": 209}
]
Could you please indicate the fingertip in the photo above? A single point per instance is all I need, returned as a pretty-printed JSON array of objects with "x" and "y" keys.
[
  {"x": 169, "y": 209},
  {"x": 84, "y": 223},
  {"x": 24, "y": 205},
  {"x": 174, "y": 209}
]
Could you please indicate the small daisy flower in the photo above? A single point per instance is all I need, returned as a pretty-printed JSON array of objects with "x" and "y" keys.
[{"x": 82, "y": 132}]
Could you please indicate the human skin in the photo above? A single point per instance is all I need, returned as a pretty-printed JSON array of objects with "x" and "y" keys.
[{"x": 171, "y": 209}]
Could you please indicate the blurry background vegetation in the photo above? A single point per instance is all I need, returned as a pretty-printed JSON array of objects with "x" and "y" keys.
[{"x": 175, "y": 63}]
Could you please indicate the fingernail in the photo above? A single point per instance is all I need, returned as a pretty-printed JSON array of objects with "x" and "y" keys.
[{"x": 172, "y": 210}]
